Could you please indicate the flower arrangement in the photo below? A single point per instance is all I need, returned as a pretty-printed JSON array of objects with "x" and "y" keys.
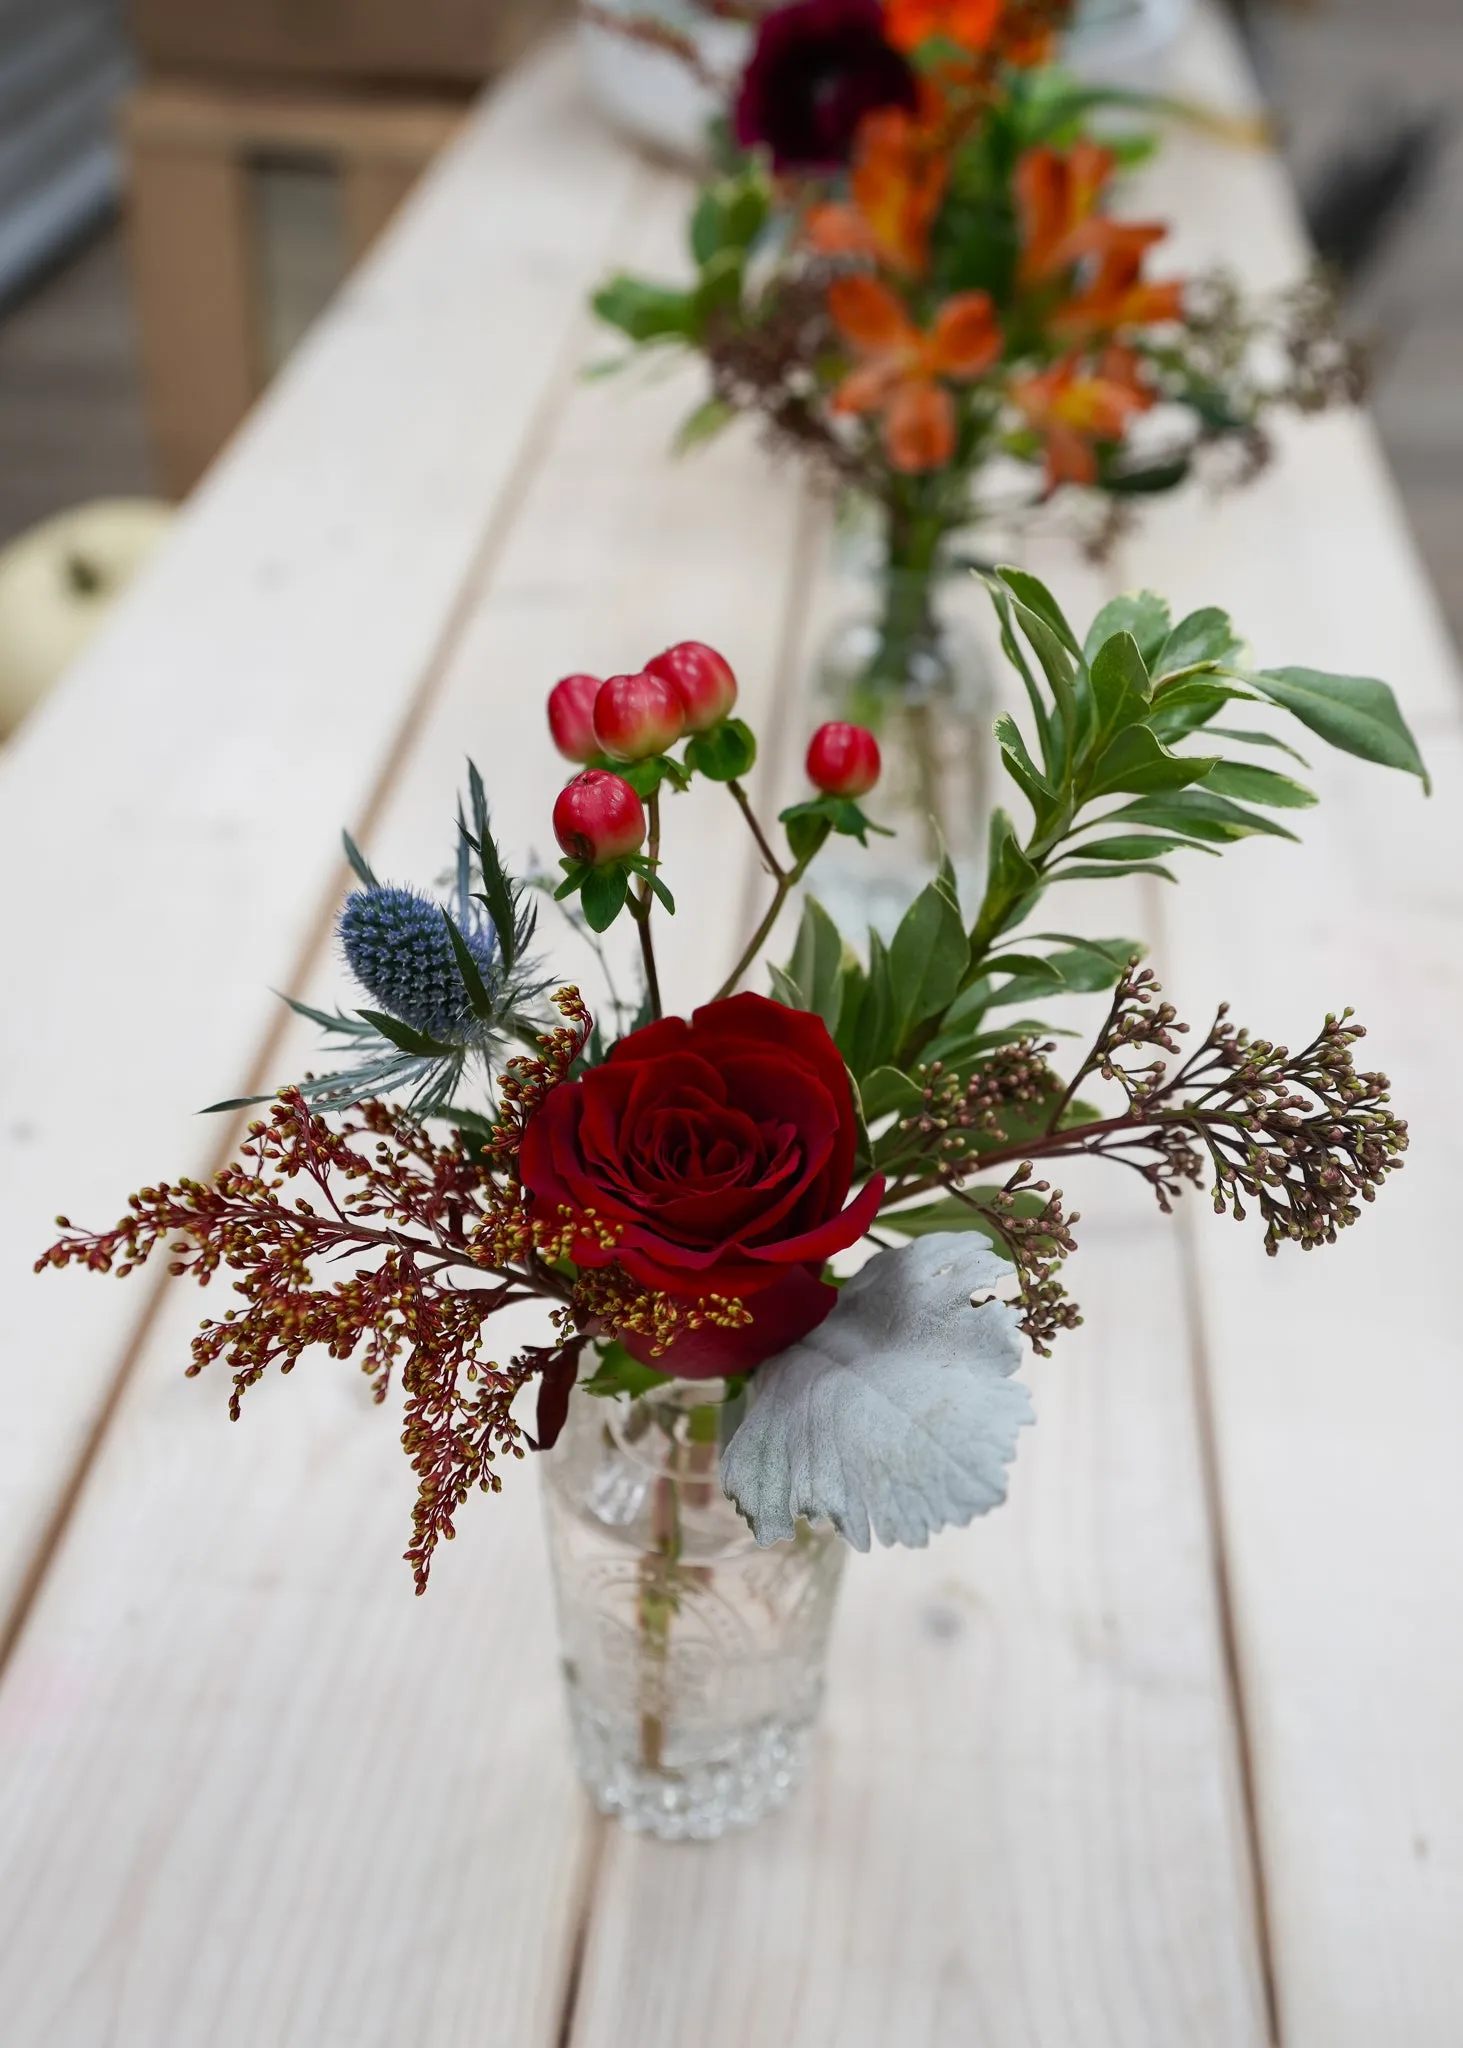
[
  {"x": 673, "y": 1191},
  {"x": 681, "y": 1197},
  {"x": 910, "y": 269}
]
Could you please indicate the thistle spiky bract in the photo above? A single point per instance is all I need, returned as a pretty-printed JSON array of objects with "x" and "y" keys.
[
  {"x": 398, "y": 946},
  {"x": 451, "y": 985}
]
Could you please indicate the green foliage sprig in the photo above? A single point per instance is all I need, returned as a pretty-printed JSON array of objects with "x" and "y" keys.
[
  {"x": 1112, "y": 787},
  {"x": 1121, "y": 767}
]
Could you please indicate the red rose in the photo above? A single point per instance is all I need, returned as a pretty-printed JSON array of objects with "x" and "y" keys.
[{"x": 722, "y": 1150}]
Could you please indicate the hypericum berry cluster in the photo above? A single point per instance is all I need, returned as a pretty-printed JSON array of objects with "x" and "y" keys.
[
  {"x": 688, "y": 689},
  {"x": 621, "y": 728},
  {"x": 622, "y": 721},
  {"x": 620, "y": 731}
]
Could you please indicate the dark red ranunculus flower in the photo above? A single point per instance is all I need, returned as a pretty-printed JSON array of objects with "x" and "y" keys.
[
  {"x": 722, "y": 1151},
  {"x": 817, "y": 68}
]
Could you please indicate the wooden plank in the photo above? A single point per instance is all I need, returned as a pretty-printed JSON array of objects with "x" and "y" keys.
[
  {"x": 179, "y": 793},
  {"x": 252, "y": 1791},
  {"x": 1337, "y": 1413},
  {"x": 1307, "y": 530},
  {"x": 259, "y": 1793},
  {"x": 1337, "y": 1401}
]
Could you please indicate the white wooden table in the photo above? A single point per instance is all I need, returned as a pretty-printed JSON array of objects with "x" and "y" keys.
[{"x": 1167, "y": 1754}]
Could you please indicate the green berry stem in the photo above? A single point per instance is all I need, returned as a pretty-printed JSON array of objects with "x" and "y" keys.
[{"x": 643, "y": 904}]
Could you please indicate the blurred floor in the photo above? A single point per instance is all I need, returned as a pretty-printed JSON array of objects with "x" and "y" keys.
[
  {"x": 71, "y": 424},
  {"x": 70, "y": 410},
  {"x": 1338, "y": 72}
]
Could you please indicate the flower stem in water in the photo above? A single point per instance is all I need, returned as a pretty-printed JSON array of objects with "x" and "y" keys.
[
  {"x": 660, "y": 1567},
  {"x": 657, "y": 1606}
]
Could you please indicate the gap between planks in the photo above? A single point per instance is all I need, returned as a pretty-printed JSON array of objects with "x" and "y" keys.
[
  {"x": 1200, "y": 1375},
  {"x": 598, "y": 1828},
  {"x": 1200, "y": 1380}
]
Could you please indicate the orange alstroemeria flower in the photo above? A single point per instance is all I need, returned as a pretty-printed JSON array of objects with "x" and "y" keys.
[
  {"x": 1116, "y": 295},
  {"x": 834, "y": 230},
  {"x": 1057, "y": 196},
  {"x": 902, "y": 364},
  {"x": 1077, "y": 403},
  {"x": 1029, "y": 30},
  {"x": 1016, "y": 32},
  {"x": 900, "y": 170},
  {"x": 969, "y": 23}
]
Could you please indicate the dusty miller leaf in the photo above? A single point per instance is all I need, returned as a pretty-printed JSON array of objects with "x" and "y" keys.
[{"x": 897, "y": 1416}]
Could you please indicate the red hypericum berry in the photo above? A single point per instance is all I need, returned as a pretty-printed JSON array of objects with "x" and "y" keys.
[
  {"x": 843, "y": 760},
  {"x": 637, "y": 716},
  {"x": 571, "y": 717},
  {"x": 701, "y": 678},
  {"x": 599, "y": 818}
]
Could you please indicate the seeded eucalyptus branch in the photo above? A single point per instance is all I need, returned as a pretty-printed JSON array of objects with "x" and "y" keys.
[{"x": 1303, "y": 1137}]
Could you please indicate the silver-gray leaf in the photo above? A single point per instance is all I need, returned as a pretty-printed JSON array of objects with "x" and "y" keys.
[{"x": 897, "y": 1415}]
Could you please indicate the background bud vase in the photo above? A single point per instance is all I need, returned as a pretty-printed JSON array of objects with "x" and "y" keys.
[
  {"x": 903, "y": 658},
  {"x": 693, "y": 1659},
  {"x": 915, "y": 268}
]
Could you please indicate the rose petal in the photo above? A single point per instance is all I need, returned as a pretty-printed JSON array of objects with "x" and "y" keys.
[{"x": 717, "y": 1156}]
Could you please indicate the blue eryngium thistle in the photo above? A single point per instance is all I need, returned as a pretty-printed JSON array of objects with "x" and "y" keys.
[
  {"x": 452, "y": 986},
  {"x": 399, "y": 948}
]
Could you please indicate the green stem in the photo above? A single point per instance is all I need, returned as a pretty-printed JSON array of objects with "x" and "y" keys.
[
  {"x": 786, "y": 883},
  {"x": 689, "y": 1481},
  {"x": 1068, "y": 1144},
  {"x": 906, "y": 616},
  {"x": 769, "y": 858},
  {"x": 641, "y": 908},
  {"x": 1000, "y": 903},
  {"x": 657, "y": 1605},
  {"x": 920, "y": 726}
]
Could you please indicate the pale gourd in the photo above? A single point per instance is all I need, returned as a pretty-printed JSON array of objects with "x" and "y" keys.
[{"x": 57, "y": 584}]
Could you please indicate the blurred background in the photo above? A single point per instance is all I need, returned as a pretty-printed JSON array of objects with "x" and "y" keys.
[{"x": 185, "y": 183}]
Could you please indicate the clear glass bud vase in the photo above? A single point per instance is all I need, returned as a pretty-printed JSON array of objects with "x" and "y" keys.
[
  {"x": 693, "y": 1660},
  {"x": 902, "y": 660}
]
